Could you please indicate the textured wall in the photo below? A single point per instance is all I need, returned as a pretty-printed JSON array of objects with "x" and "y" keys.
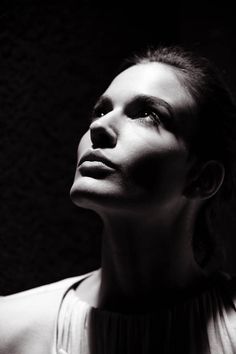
[{"x": 54, "y": 61}]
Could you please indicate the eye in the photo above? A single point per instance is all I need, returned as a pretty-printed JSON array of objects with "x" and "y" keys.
[
  {"x": 149, "y": 113},
  {"x": 98, "y": 112},
  {"x": 101, "y": 109}
]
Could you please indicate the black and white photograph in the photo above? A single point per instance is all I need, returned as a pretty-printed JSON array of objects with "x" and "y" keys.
[{"x": 118, "y": 177}]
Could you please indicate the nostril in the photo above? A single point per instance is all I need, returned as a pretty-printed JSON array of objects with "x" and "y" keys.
[{"x": 102, "y": 137}]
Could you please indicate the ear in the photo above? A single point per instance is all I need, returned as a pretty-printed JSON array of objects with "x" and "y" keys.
[{"x": 206, "y": 181}]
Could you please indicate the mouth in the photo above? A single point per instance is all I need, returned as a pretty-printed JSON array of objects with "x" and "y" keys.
[
  {"x": 96, "y": 157},
  {"x": 95, "y": 164}
]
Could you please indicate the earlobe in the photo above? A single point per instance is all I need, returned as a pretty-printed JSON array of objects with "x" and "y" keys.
[{"x": 206, "y": 182}]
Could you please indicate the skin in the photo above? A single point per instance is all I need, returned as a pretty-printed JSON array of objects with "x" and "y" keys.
[{"x": 145, "y": 201}]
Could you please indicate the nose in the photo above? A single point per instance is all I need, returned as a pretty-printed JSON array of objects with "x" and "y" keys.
[{"x": 103, "y": 131}]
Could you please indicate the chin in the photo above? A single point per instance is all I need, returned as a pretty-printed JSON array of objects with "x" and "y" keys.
[
  {"x": 98, "y": 197},
  {"x": 81, "y": 195},
  {"x": 89, "y": 193}
]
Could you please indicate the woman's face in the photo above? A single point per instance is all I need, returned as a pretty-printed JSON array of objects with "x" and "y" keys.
[{"x": 131, "y": 159}]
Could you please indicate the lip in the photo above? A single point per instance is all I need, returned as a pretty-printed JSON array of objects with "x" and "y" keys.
[{"x": 96, "y": 156}]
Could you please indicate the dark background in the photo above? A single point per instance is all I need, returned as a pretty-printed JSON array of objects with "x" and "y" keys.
[{"x": 55, "y": 58}]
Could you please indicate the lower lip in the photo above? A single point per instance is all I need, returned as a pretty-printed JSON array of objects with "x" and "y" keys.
[{"x": 95, "y": 169}]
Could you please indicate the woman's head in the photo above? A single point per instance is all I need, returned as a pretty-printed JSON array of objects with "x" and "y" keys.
[
  {"x": 164, "y": 124},
  {"x": 135, "y": 126}
]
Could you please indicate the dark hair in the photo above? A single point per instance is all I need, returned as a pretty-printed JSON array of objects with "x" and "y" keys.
[{"x": 213, "y": 137}]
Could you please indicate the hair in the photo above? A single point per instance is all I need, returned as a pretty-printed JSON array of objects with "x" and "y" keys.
[{"x": 213, "y": 137}]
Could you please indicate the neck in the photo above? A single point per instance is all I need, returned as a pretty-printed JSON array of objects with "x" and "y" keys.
[{"x": 145, "y": 263}]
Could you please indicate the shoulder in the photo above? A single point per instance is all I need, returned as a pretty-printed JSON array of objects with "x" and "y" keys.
[
  {"x": 226, "y": 285},
  {"x": 29, "y": 317},
  {"x": 231, "y": 287}
]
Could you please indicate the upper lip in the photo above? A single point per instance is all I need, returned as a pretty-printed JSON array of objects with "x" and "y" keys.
[{"x": 96, "y": 156}]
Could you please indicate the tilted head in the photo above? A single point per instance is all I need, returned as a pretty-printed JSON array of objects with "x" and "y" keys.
[{"x": 162, "y": 133}]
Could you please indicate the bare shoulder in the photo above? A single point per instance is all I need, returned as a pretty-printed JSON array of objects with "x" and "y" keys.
[{"x": 30, "y": 316}]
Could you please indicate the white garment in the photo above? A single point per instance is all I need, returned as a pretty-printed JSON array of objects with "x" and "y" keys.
[
  {"x": 28, "y": 319},
  {"x": 72, "y": 326},
  {"x": 204, "y": 324},
  {"x": 53, "y": 320}
]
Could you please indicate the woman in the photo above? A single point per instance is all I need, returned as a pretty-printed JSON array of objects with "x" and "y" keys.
[{"x": 155, "y": 163}]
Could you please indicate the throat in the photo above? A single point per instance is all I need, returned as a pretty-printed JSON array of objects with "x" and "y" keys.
[
  {"x": 101, "y": 290},
  {"x": 143, "y": 269}
]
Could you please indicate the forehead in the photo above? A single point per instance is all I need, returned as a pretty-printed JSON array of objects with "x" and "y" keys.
[{"x": 151, "y": 79}]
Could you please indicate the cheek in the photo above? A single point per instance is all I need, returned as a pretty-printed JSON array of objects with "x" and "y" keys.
[
  {"x": 143, "y": 172},
  {"x": 157, "y": 173}
]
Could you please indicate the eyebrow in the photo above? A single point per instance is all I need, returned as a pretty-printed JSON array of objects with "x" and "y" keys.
[
  {"x": 103, "y": 100},
  {"x": 153, "y": 101},
  {"x": 140, "y": 99}
]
